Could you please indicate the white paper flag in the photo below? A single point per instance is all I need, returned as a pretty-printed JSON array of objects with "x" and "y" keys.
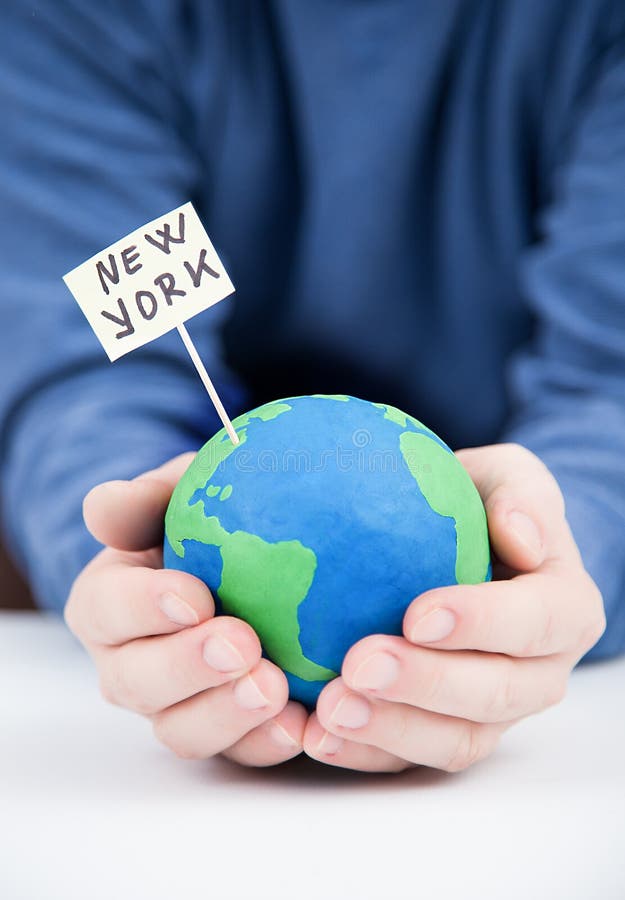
[{"x": 151, "y": 282}]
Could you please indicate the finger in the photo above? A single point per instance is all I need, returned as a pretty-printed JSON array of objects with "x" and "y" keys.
[
  {"x": 327, "y": 748},
  {"x": 114, "y": 601},
  {"x": 274, "y": 741},
  {"x": 415, "y": 735},
  {"x": 150, "y": 674},
  {"x": 535, "y": 614},
  {"x": 214, "y": 720},
  {"x": 128, "y": 515},
  {"x": 523, "y": 504},
  {"x": 483, "y": 687}
]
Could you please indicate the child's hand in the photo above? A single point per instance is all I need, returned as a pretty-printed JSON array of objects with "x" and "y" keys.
[
  {"x": 474, "y": 659},
  {"x": 156, "y": 644}
]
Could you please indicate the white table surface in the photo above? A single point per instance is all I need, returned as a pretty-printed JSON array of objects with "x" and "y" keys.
[{"x": 92, "y": 807}]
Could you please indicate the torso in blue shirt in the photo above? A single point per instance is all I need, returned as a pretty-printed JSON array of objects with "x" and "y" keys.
[{"x": 373, "y": 173}]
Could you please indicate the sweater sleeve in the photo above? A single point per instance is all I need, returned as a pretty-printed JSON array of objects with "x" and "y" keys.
[
  {"x": 568, "y": 385},
  {"x": 93, "y": 145}
]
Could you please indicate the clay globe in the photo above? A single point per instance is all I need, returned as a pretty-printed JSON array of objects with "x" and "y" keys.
[{"x": 325, "y": 522}]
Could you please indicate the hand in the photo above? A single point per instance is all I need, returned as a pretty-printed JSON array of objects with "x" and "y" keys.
[
  {"x": 474, "y": 659},
  {"x": 157, "y": 645}
]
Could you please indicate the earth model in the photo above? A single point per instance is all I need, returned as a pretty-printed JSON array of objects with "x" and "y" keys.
[{"x": 330, "y": 516}]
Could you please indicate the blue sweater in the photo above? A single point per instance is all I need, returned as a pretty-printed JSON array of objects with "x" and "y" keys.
[{"x": 421, "y": 203}]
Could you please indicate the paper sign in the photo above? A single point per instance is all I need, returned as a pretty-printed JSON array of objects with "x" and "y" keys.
[{"x": 149, "y": 282}]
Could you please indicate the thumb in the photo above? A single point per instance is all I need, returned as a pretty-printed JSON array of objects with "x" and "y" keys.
[
  {"x": 523, "y": 503},
  {"x": 128, "y": 515}
]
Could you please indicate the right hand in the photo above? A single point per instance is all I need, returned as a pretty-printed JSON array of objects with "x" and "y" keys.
[{"x": 157, "y": 645}]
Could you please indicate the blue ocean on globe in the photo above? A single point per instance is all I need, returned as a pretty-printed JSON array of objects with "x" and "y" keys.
[{"x": 323, "y": 524}]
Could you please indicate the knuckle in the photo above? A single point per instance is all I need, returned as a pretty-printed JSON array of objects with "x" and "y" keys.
[
  {"x": 110, "y": 688},
  {"x": 518, "y": 452},
  {"x": 179, "y": 671},
  {"x": 502, "y": 701},
  {"x": 107, "y": 690},
  {"x": 120, "y": 688},
  {"x": 99, "y": 624},
  {"x": 433, "y": 681},
  {"x": 598, "y": 627},
  {"x": 75, "y": 601},
  {"x": 591, "y": 634},
  {"x": 468, "y": 749},
  {"x": 79, "y": 602},
  {"x": 499, "y": 498},
  {"x": 69, "y": 613},
  {"x": 596, "y": 622},
  {"x": 167, "y": 735},
  {"x": 550, "y": 492},
  {"x": 554, "y": 693},
  {"x": 402, "y": 726},
  {"x": 542, "y": 642},
  {"x": 164, "y": 735}
]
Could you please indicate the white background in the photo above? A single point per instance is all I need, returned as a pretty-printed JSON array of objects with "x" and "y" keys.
[{"x": 92, "y": 808}]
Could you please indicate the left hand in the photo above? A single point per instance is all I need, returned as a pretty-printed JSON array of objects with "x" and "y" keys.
[{"x": 474, "y": 659}]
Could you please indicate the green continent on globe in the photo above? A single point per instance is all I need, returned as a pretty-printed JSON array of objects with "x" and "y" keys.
[
  {"x": 401, "y": 418},
  {"x": 262, "y": 582},
  {"x": 443, "y": 483},
  {"x": 342, "y": 398}
]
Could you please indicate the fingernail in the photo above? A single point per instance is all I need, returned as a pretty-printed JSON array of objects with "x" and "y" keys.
[
  {"x": 177, "y": 611},
  {"x": 221, "y": 655},
  {"x": 351, "y": 712},
  {"x": 378, "y": 671},
  {"x": 526, "y": 531},
  {"x": 248, "y": 695},
  {"x": 330, "y": 744},
  {"x": 281, "y": 736},
  {"x": 434, "y": 626}
]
